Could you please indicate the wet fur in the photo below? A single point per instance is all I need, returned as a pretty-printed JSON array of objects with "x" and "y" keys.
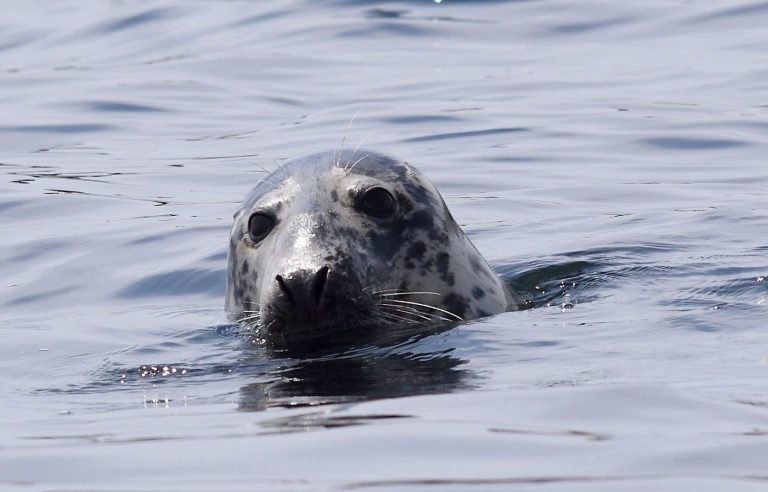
[{"x": 418, "y": 266}]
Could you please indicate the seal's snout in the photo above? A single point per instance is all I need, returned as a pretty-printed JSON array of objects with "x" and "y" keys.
[
  {"x": 303, "y": 289},
  {"x": 304, "y": 295}
]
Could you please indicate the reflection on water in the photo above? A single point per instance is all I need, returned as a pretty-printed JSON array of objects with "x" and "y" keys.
[{"x": 357, "y": 378}]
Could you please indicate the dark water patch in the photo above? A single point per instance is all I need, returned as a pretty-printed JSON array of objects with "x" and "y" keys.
[
  {"x": 258, "y": 19},
  {"x": 5, "y": 206},
  {"x": 120, "y": 107},
  {"x": 469, "y": 134},
  {"x": 61, "y": 191},
  {"x": 419, "y": 119},
  {"x": 40, "y": 296},
  {"x": 173, "y": 234},
  {"x": 37, "y": 250},
  {"x": 135, "y": 20},
  {"x": 72, "y": 128},
  {"x": 538, "y": 344},
  {"x": 435, "y": 5},
  {"x": 749, "y": 10},
  {"x": 371, "y": 377},
  {"x": 308, "y": 422},
  {"x": 732, "y": 289},
  {"x": 702, "y": 321},
  {"x": 680, "y": 143},
  {"x": 222, "y": 256},
  {"x": 382, "y": 13},
  {"x": 626, "y": 251},
  {"x": 582, "y": 27},
  {"x": 590, "y": 436},
  {"x": 389, "y": 29},
  {"x": 78, "y": 176},
  {"x": 178, "y": 283},
  {"x": 286, "y": 101},
  {"x": 10, "y": 44},
  {"x": 539, "y": 285}
]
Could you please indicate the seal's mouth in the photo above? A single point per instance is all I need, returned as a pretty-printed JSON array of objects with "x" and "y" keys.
[
  {"x": 353, "y": 319},
  {"x": 310, "y": 333},
  {"x": 316, "y": 320}
]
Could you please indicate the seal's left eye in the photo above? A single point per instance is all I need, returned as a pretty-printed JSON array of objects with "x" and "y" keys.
[
  {"x": 378, "y": 202},
  {"x": 260, "y": 225}
]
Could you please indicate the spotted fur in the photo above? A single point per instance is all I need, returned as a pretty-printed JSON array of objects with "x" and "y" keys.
[{"x": 419, "y": 249}]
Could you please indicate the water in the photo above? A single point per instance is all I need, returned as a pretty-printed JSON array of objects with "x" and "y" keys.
[{"x": 607, "y": 158}]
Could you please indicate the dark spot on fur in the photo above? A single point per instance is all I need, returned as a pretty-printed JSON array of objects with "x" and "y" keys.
[
  {"x": 478, "y": 293},
  {"x": 478, "y": 267},
  {"x": 422, "y": 219},
  {"x": 244, "y": 268},
  {"x": 442, "y": 262},
  {"x": 334, "y": 196},
  {"x": 415, "y": 253},
  {"x": 382, "y": 245},
  {"x": 456, "y": 304},
  {"x": 418, "y": 193}
]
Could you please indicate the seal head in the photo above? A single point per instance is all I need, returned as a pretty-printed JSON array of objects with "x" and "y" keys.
[{"x": 345, "y": 239}]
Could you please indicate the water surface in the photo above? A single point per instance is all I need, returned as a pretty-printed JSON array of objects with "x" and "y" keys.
[{"x": 607, "y": 158}]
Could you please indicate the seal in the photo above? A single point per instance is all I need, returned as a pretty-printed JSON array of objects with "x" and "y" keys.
[{"x": 350, "y": 238}]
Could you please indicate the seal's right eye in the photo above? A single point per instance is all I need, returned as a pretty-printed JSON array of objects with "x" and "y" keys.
[
  {"x": 260, "y": 225},
  {"x": 378, "y": 202}
]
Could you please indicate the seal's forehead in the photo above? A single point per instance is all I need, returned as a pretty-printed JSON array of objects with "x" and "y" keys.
[
  {"x": 358, "y": 161},
  {"x": 325, "y": 170}
]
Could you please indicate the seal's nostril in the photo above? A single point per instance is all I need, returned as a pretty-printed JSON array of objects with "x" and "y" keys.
[
  {"x": 318, "y": 284},
  {"x": 285, "y": 289}
]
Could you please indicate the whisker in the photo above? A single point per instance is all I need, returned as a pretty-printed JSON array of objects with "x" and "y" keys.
[
  {"x": 360, "y": 142},
  {"x": 409, "y": 294},
  {"x": 355, "y": 164},
  {"x": 400, "y": 301},
  {"x": 349, "y": 125},
  {"x": 429, "y": 316},
  {"x": 271, "y": 174},
  {"x": 385, "y": 290},
  {"x": 281, "y": 167},
  {"x": 400, "y": 309}
]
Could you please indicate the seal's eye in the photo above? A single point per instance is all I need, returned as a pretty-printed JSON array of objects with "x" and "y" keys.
[
  {"x": 259, "y": 226},
  {"x": 377, "y": 202}
]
